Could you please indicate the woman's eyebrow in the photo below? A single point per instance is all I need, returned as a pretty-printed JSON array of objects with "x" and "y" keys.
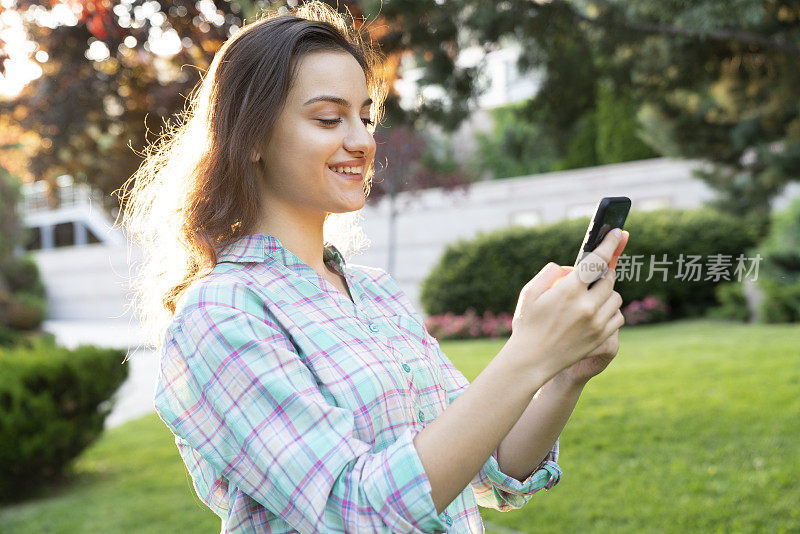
[{"x": 336, "y": 100}]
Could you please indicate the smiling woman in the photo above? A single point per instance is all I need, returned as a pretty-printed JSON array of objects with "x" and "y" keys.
[
  {"x": 286, "y": 103},
  {"x": 313, "y": 162},
  {"x": 297, "y": 385}
]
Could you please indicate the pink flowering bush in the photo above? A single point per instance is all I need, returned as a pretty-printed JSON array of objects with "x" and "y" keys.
[
  {"x": 650, "y": 309},
  {"x": 469, "y": 326}
]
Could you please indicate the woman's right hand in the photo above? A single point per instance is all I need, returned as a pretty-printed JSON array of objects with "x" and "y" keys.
[{"x": 563, "y": 323}]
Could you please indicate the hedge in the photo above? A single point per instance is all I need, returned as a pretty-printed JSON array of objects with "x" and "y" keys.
[
  {"x": 488, "y": 271},
  {"x": 53, "y": 403}
]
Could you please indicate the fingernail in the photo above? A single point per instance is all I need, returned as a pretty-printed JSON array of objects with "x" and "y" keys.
[{"x": 617, "y": 233}]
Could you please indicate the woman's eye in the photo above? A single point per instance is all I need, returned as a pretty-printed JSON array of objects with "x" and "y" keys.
[{"x": 331, "y": 122}]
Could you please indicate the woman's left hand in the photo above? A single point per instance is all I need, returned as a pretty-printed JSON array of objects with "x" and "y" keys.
[
  {"x": 593, "y": 363},
  {"x": 596, "y": 361}
]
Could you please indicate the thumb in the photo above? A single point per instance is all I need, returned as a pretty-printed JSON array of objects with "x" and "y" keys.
[{"x": 545, "y": 279}]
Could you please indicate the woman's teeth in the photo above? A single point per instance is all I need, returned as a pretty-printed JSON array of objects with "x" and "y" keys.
[{"x": 347, "y": 170}]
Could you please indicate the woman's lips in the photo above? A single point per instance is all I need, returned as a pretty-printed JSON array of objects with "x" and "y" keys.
[{"x": 351, "y": 177}]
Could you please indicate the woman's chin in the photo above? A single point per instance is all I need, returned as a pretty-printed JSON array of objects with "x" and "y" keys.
[{"x": 347, "y": 205}]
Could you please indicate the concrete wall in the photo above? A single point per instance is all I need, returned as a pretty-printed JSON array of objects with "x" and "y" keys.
[{"x": 429, "y": 222}]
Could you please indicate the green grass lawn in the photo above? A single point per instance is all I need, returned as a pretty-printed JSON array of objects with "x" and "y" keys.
[{"x": 694, "y": 427}]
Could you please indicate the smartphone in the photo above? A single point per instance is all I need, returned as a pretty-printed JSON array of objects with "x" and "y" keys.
[{"x": 610, "y": 213}]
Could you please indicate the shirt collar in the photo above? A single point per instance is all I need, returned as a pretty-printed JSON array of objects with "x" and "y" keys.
[{"x": 258, "y": 247}]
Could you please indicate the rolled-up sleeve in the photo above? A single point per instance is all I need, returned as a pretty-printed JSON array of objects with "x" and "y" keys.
[
  {"x": 492, "y": 487},
  {"x": 235, "y": 390}
]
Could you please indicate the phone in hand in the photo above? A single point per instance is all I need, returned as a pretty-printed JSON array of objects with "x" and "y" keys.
[{"x": 610, "y": 213}]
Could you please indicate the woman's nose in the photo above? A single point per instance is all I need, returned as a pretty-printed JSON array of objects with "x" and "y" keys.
[{"x": 359, "y": 139}]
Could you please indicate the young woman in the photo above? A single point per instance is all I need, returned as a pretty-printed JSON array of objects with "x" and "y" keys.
[{"x": 304, "y": 392}]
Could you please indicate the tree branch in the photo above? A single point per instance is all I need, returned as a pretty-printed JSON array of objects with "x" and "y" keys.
[{"x": 716, "y": 35}]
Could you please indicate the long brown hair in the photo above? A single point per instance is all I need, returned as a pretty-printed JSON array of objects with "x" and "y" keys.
[{"x": 196, "y": 191}]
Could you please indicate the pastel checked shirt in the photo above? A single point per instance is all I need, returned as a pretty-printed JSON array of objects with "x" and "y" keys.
[{"x": 295, "y": 408}]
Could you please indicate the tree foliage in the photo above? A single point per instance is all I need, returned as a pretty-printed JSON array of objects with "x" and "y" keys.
[
  {"x": 713, "y": 79},
  {"x": 93, "y": 115},
  {"x": 716, "y": 79}
]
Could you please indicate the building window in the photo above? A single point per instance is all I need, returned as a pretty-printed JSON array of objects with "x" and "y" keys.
[{"x": 64, "y": 235}]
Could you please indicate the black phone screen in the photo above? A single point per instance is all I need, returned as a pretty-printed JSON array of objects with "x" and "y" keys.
[
  {"x": 610, "y": 213},
  {"x": 613, "y": 216}
]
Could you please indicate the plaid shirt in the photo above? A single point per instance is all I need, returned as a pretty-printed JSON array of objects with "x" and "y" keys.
[{"x": 295, "y": 408}]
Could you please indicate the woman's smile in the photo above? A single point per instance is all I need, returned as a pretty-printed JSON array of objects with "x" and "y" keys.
[{"x": 350, "y": 177}]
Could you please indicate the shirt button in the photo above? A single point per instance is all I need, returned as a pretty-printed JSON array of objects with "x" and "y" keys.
[
  {"x": 373, "y": 327},
  {"x": 448, "y": 520},
  {"x": 406, "y": 368},
  {"x": 421, "y": 416}
]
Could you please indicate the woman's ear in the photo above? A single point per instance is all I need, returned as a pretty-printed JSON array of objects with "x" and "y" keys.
[{"x": 254, "y": 156}]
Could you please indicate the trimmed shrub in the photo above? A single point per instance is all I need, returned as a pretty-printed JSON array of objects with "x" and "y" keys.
[
  {"x": 23, "y": 304},
  {"x": 488, "y": 271},
  {"x": 732, "y": 302},
  {"x": 22, "y": 274},
  {"x": 25, "y": 311},
  {"x": 53, "y": 402}
]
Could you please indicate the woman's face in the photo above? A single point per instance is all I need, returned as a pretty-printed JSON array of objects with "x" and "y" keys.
[{"x": 302, "y": 148}]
